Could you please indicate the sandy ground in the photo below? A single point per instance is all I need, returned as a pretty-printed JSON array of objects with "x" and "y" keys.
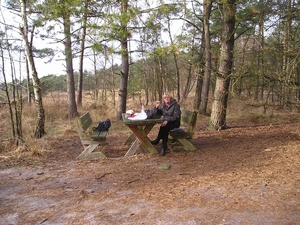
[{"x": 242, "y": 175}]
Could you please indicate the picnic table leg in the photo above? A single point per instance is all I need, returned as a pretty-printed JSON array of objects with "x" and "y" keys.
[
  {"x": 133, "y": 148},
  {"x": 141, "y": 134},
  {"x": 133, "y": 137},
  {"x": 130, "y": 139},
  {"x": 147, "y": 129}
]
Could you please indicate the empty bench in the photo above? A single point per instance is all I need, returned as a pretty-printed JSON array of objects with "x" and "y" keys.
[
  {"x": 90, "y": 138},
  {"x": 185, "y": 132}
]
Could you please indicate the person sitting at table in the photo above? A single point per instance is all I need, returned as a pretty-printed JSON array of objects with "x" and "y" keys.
[{"x": 170, "y": 111}]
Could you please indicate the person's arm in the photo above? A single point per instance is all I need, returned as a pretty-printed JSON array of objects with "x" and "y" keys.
[
  {"x": 157, "y": 104},
  {"x": 177, "y": 112},
  {"x": 157, "y": 108}
]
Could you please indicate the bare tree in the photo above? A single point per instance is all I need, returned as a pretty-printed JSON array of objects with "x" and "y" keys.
[
  {"x": 6, "y": 89},
  {"x": 40, "y": 127}
]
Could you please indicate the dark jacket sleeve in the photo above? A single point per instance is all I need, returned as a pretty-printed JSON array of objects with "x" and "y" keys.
[{"x": 157, "y": 111}]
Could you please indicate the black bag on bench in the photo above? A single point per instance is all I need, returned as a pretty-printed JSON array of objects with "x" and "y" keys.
[{"x": 103, "y": 125}]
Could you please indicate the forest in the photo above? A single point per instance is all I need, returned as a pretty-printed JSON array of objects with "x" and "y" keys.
[
  {"x": 211, "y": 50},
  {"x": 234, "y": 62}
]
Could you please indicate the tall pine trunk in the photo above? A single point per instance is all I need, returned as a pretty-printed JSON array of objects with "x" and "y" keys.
[
  {"x": 82, "y": 47},
  {"x": 206, "y": 80},
  {"x": 125, "y": 64},
  {"x": 220, "y": 101},
  {"x": 72, "y": 107},
  {"x": 200, "y": 75}
]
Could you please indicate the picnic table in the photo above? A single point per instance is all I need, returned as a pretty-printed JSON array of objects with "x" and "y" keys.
[{"x": 140, "y": 129}]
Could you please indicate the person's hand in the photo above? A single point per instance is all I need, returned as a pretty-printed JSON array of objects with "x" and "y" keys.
[
  {"x": 164, "y": 123},
  {"x": 157, "y": 104}
]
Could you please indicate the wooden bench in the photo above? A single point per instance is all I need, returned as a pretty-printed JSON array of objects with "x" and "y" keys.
[
  {"x": 90, "y": 139},
  {"x": 185, "y": 132}
]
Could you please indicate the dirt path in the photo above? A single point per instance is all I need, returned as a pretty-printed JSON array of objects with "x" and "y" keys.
[{"x": 238, "y": 176}]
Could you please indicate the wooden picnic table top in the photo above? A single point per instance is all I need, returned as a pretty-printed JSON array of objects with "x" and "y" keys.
[{"x": 139, "y": 122}]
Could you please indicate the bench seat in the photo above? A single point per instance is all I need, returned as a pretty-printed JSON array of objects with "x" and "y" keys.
[{"x": 99, "y": 135}]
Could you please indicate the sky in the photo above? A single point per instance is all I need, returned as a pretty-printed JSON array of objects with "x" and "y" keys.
[
  {"x": 54, "y": 67},
  {"x": 44, "y": 68}
]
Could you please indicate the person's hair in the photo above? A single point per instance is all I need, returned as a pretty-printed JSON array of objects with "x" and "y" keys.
[{"x": 167, "y": 95}]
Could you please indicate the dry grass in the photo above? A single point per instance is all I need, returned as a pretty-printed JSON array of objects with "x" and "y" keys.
[{"x": 58, "y": 124}]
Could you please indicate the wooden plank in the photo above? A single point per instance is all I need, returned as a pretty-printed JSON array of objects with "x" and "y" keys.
[
  {"x": 99, "y": 135},
  {"x": 142, "y": 136},
  {"x": 179, "y": 149},
  {"x": 95, "y": 155},
  {"x": 90, "y": 139},
  {"x": 139, "y": 122},
  {"x": 85, "y": 121},
  {"x": 187, "y": 145},
  {"x": 81, "y": 133},
  {"x": 133, "y": 148},
  {"x": 85, "y": 116},
  {"x": 140, "y": 129},
  {"x": 186, "y": 116},
  {"x": 130, "y": 139},
  {"x": 87, "y": 151},
  {"x": 177, "y": 133},
  {"x": 189, "y": 119}
]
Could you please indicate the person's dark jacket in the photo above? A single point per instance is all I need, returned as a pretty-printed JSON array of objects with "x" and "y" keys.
[{"x": 171, "y": 113}]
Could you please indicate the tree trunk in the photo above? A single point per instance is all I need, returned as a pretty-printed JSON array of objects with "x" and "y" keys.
[
  {"x": 6, "y": 89},
  {"x": 261, "y": 53},
  {"x": 72, "y": 107},
  {"x": 28, "y": 84},
  {"x": 175, "y": 61},
  {"x": 123, "y": 81},
  {"x": 206, "y": 80},
  {"x": 199, "y": 81},
  {"x": 82, "y": 46},
  {"x": 125, "y": 65},
  {"x": 188, "y": 86},
  {"x": 219, "y": 106},
  {"x": 40, "y": 127},
  {"x": 160, "y": 75},
  {"x": 287, "y": 68}
]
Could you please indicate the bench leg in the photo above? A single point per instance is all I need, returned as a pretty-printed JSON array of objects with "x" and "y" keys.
[
  {"x": 89, "y": 149},
  {"x": 187, "y": 145},
  {"x": 95, "y": 155}
]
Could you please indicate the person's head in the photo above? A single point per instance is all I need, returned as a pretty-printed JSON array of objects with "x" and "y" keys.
[{"x": 167, "y": 98}]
